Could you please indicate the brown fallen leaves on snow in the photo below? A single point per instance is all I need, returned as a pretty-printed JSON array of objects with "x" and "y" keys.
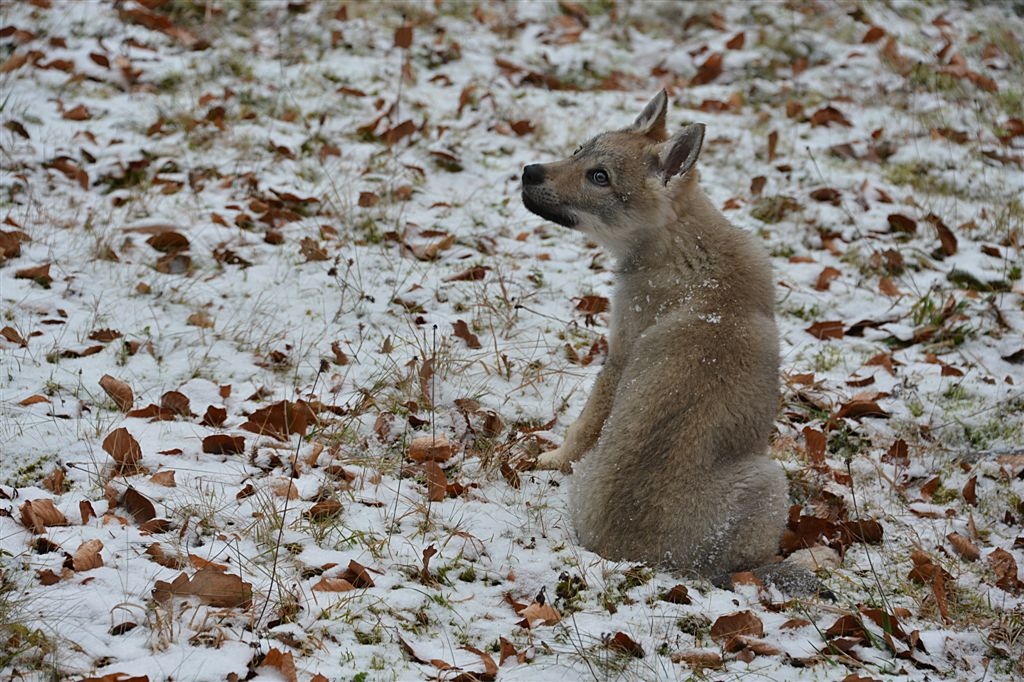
[
  {"x": 37, "y": 515},
  {"x": 120, "y": 392},
  {"x": 210, "y": 585},
  {"x": 125, "y": 451}
]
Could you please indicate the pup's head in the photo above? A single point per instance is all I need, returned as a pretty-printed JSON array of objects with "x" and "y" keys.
[{"x": 617, "y": 186}]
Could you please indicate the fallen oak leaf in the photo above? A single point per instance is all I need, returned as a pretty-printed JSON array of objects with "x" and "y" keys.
[
  {"x": 1005, "y": 567},
  {"x": 175, "y": 403},
  {"x": 826, "y": 277},
  {"x": 12, "y": 335},
  {"x": 281, "y": 419},
  {"x": 77, "y": 113},
  {"x": 125, "y": 451},
  {"x": 623, "y": 643},
  {"x": 215, "y": 416},
  {"x": 430, "y": 448},
  {"x": 436, "y": 479},
  {"x": 678, "y": 594},
  {"x": 829, "y": 329},
  {"x": 139, "y": 507},
  {"x": 733, "y": 624},
  {"x": 283, "y": 662},
  {"x": 963, "y": 546},
  {"x": 40, "y": 274},
  {"x": 120, "y": 392},
  {"x": 709, "y": 70},
  {"x": 490, "y": 667},
  {"x": 333, "y": 585},
  {"x": 37, "y": 515},
  {"x": 86, "y": 557},
  {"x": 698, "y": 659},
  {"x": 325, "y": 509},
  {"x": 462, "y": 331},
  {"x": 828, "y": 115},
  {"x": 210, "y": 585},
  {"x": 858, "y": 408}
]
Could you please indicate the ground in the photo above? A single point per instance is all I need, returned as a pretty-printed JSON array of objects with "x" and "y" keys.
[{"x": 279, "y": 342}]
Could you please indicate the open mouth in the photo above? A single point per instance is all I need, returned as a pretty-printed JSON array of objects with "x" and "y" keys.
[{"x": 553, "y": 213}]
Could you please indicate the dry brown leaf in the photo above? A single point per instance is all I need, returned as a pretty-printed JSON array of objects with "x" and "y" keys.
[
  {"x": 437, "y": 481},
  {"x": 175, "y": 403},
  {"x": 33, "y": 400},
  {"x": 733, "y": 624},
  {"x": 164, "y": 478},
  {"x": 430, "y": 448},
  {"x": 827, "y": 194},
  {"x": 120, "y": 392},
  {"x": 283, "y": 662},
  {"x": 678, "y": 594},
  {"x": 947, "y": 240},
  {"x": 825, "y": 278},
  {"x": 71, "y": 171},
  {"x": 970, "y": 491},
  {"x": 77, "y": 113},
  {"x": 125, "y": 451},
  {"x": 357, "y": 574},
  {"x": 473, "y": 274},
  {"x": 403, "y": 36},
  {"x": 333, "y": 585},
  {"x": 698, "y": 659},
  {"x": 281, "y": 419},
  {"x": 1005, "y": 568},
  {"x": 224, "y": 444},
  {"x": 829, "y": 115},
  {"x": 200, "y": 319},
  {"x": 40, "y": 274},
  {"x": 873, "y": 35},
  {"x": 156, "y": 552},
  {"x": 215, "y": 416},
  {"x": 888, "y": 287},
  {"x": 545, "y": 614},
  {"x": 737, "y": 41},
  {"x": 828, "y": 329},
  {"x": 490, "y": 667},
  {"x": 462, "y": 331},
  {"x": 325, "y": 509},
  {"x": 211, "y": 586},
  {"x": 54, "y": 481},
  {"x": 138, "y": 506},
  {"x": 12, "y": 335},
  {"x": 709, "y": 70},
  {"x": 87, "y": 556},
  {"x": 623, "y": 643},
  {"x": 858, "y": 408},
  {"x": 36, "y": 515}
]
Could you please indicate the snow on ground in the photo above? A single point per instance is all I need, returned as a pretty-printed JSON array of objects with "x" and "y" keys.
[{"x": 290, "y": 236}]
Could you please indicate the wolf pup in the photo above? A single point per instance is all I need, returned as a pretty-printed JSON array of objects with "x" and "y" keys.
[{"x": 676, "y": 430}]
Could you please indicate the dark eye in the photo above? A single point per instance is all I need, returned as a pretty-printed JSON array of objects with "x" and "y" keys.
[{"x": 599, "y": 176}]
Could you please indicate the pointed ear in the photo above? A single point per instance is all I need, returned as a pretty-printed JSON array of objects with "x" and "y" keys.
[
  {"x": 680, "y": 153},
  {"x": 651, "y": 121}
]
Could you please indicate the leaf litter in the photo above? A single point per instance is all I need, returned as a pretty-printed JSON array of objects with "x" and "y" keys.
[{"x": 280, "y": 343}]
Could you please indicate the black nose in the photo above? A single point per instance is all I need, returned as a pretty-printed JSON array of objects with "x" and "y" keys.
[{"x": 533, "y": 174}]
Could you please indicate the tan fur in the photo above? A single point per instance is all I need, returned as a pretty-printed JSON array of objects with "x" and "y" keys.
[{"x": 676, "y": 429}]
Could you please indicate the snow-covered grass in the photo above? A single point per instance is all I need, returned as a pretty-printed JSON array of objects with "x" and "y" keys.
[{"x": 292, "y": 232}]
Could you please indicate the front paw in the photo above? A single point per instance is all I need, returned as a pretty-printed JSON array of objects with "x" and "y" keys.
[{"x": 555, "y": 459}]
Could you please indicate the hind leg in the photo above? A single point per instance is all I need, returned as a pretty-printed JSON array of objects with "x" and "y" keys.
[{"x": 758, "y": 499}]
